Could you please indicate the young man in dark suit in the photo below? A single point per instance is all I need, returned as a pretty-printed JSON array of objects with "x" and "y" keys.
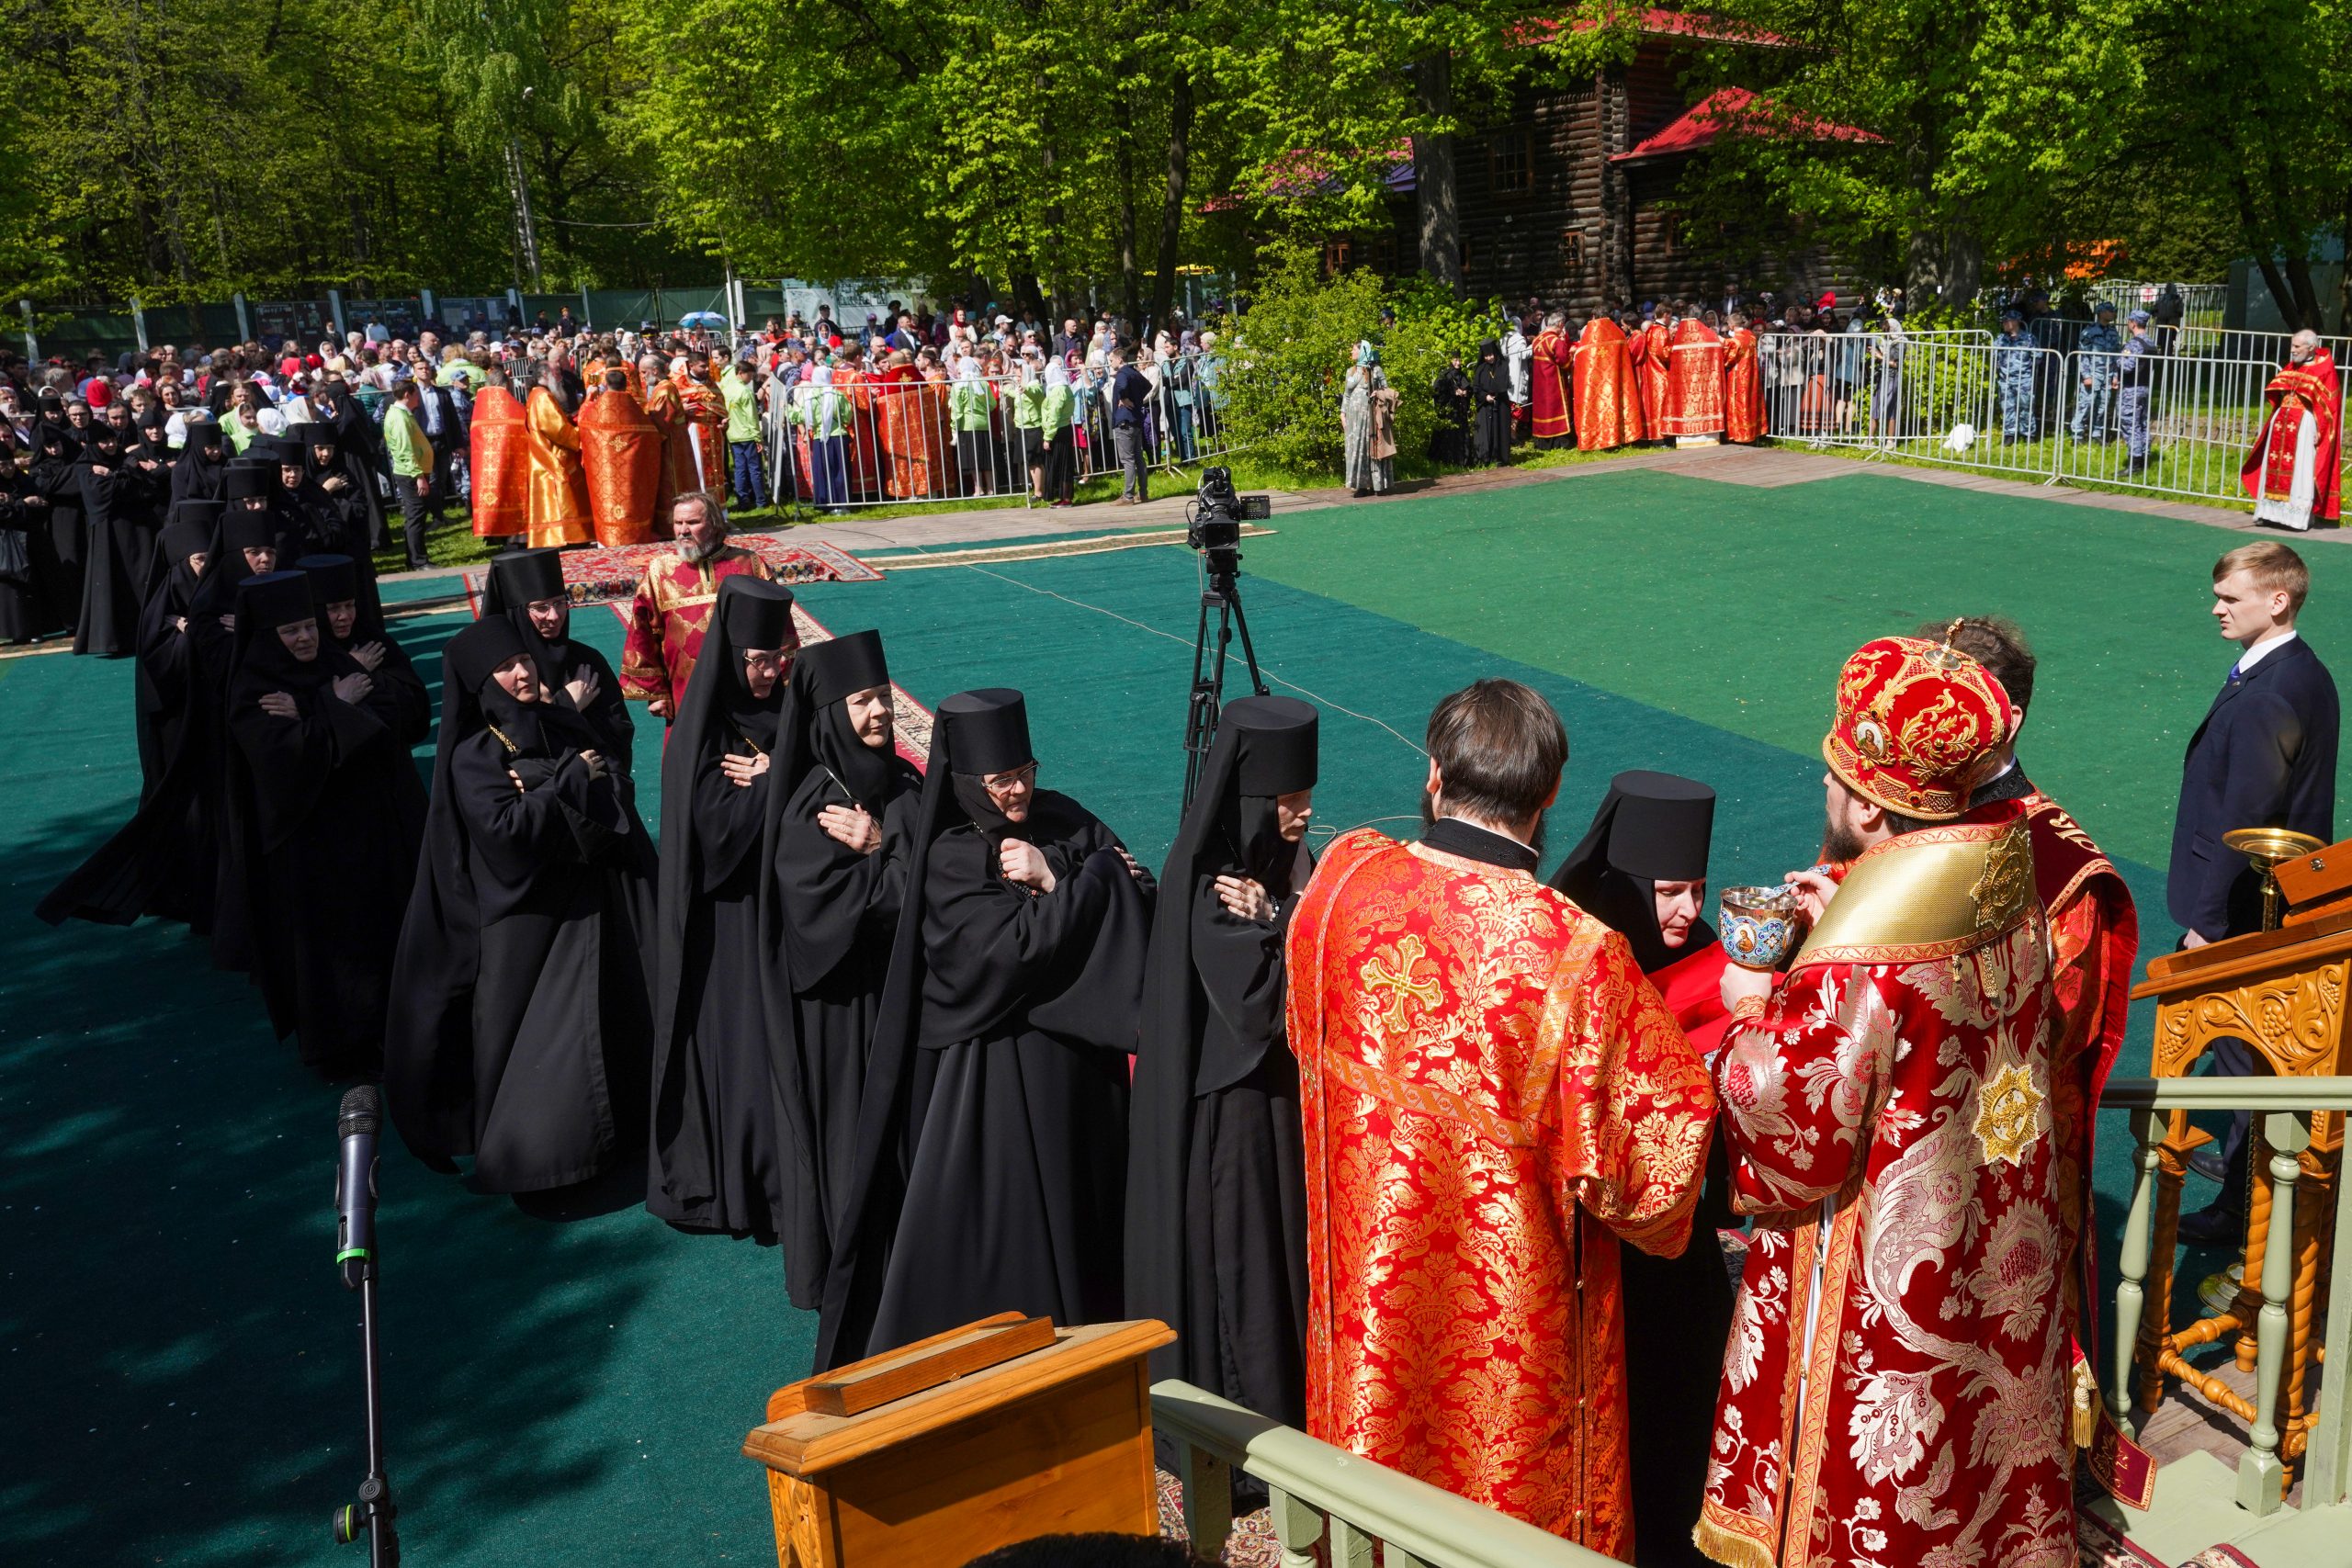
[{"x": 2264, "y": 756}]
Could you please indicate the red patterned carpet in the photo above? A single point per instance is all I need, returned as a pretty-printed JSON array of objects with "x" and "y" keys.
[{"x": 601, "y": 576}]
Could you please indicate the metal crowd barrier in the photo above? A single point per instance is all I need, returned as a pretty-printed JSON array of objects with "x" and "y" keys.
[{"x": 2170, "y": 424}]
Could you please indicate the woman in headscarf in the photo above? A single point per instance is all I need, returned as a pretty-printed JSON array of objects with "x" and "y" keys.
[
  {"x": 358, "y": 454},
  {"x": 351, "y": 625},
  {"x": 57, "y": 557},
  {"x": 844, "y": 804},
  {"x": 1641, "y": 869},
  {"x": 331, "y": 519},
  {"x": 1490, "y": 407},
  {"x": 1216, "y": 1191},
  {"x": 122, "y": 490},
  {"x": 203, "y": 456},
  {"x": 1355, "y": 420},
  {"x": 820, "y": 409},
  {"x": 521, "y": 1026},
  {"x": 1033, "y": 925},
  {"x": 526, "y": 586},
  {"x": 1057, "y": 415},
  {"x": 25, "y": 612},
  {"x": 321, "y": 817},
  {"x": 166, "y": 663},
  {"x": 718, "y": 1159},
  {"x": 969, "y": 406}
]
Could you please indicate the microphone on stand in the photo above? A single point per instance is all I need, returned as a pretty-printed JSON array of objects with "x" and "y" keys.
[{"x": 357, "y": 1123}]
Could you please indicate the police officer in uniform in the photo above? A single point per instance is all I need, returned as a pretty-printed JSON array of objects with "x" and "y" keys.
[
  {"x": 2095, "y": 376},
  {"x": 2136, "y": 375},
  {"x": 2013, "y": 356}
]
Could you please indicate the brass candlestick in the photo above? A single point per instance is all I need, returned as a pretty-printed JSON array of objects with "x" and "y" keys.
[{"x": 2264, "y": 848}]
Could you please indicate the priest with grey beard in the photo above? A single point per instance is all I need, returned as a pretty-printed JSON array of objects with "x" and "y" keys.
[{"x": 673, "y": 606}]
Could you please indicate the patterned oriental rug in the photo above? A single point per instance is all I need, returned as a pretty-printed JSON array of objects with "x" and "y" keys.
[{"x": 603, "y": 577}]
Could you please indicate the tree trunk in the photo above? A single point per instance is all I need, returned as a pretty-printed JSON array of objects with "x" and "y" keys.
[
  {"x": 1171, "y": 206},
  {"x": 2298, "y": 278},
  {"x": 2257, "y": 235},
  {"x": 1433, "y": 179},
  {"x": 1963, "y": 267},
  {"x": 1130, "y": 278}
]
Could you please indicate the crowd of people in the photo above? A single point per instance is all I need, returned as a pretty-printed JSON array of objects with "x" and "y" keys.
[{"x": 1430, "y": 1159}]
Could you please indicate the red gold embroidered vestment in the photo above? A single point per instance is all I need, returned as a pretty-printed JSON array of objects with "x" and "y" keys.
[
  {"x": 2297, "y": 393},
  {"x": 668, "y": 617},
  {"x": 559, "y": 502},
  {"x": 1743, "y": 387},
  {"x": 1548, "y": 386},
  {"x": 498, "y": 449},
  {"x": 1609, "y": 402},
  {"x": 1896, "y": 1388},
  {"x": 620, "y": 458},
  {"x": 1694, "y": 391},
  {"x": 1654, "y": 363},
  {"x": 1492, "y": 1097}
]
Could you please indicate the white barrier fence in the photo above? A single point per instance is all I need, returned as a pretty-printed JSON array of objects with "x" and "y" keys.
[{"x": 2173, "y": 424}]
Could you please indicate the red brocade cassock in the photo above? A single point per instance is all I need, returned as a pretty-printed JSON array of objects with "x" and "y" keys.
[
  {"x": 2298, "y": 392},
  {"x": 1654, "y": 361},
  {"x": 1743, "y": 389},
  {"x": 1694, "y": 389},
  {"x": 704, "y": 429},
  {"x": 1897, "y": 1389},
  {"x": 620, "y": 463},
  {"x": 668, "y": 617},
  {"x": 1548, "y": 380},
  {"x": 499, "y": 453},
  {"x": 1492, "y": 1098},
  {"x": 1608, "y": 401}
]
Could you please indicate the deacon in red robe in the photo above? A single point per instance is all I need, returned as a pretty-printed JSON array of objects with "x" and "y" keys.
[
  {"x": 1641, "y": 869},
  {"x": 620, "y": 459},
  {"x": 559, "y": 512},
  {"x": 681, "y": 471},
  {"x": 704, "y": 423},
  {"x": 2095, "y": 940},
  {"x": 1654, "y": 359},
  {"x": 1743, "y": 385},
  {"x": 1493, "y": 1098},
  {"x": 910, "y": 421},
  {"x": 2293, "y": 471},
  {"x": 499, "y": 459},
  {"x": 1608, "y": 397},
  {"x": 1896, "y": 1390},
  {"x": 1548, "y": 379},
  {"x": 1694, "y": 391},
  {"x": 671, "y": 609}
]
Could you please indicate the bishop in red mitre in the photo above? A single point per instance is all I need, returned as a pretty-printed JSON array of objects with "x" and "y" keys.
[
  {"x": 1494, "y": 1099},
  {"x": 1897, "y": 1388}
]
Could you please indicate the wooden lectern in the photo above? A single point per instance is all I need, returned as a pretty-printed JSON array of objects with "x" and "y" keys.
[
  {"x": 2282, "y": 992},
  {"x": 929, "y": 1455}
]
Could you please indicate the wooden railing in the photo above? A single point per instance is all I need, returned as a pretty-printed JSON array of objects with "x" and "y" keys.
[
  {"x": 1366, "y": 1510},
  {"x": 2286, "y": 1106}
]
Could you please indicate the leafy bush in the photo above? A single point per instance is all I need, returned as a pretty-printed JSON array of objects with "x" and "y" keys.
[{"x": 1286, "y": 365}]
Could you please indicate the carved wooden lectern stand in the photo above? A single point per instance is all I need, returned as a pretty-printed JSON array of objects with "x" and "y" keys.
[
  {"x": 929, "y": 1455},
  {"x": 2282, "y": 992}
]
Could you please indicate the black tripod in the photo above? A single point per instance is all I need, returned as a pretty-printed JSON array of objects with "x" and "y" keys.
[
  {"x": 356, "y": 1262},
  {"x": 1222, "y": 593}
]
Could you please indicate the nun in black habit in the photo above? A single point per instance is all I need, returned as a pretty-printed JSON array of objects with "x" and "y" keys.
[
  {"x": 321, "y": 814},
  {"x": 1217, "y": 1189},
  {"x": 166, "y": 662},
  {"x": 57, "y": 560},
  {"x": 359, "y": 453},
  {"x": 351, "y": 625},
  {"x": 845, "y": 805},
  {"x": 1641, "y": 871},
  {"x": 521, "y": 1030},
  {"x": 122, "y": 491},
  {"x": 204, "y": 458},
  {"x": 1035, "y": 920},
  {"x": 340, "y": 513},
  {"x": 526, "y": 586},
  {"x": 24, "y": 610},
  {"x": 1450, "y": 441},
  {"x": 719, "y": 1160},
  {"x": 1490, "y": 407}
]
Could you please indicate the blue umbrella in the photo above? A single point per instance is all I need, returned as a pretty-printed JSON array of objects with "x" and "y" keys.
[{"x": 710, "y": 319}]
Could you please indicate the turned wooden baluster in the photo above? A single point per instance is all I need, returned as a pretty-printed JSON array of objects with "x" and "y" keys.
[
  {"x": 2131, "y": 1295},
  {"x": 1298, "y": 1525},
  {"x": 1207, "y": 1482},
  {"x": 2261, "y": 1473},
  {"x": 2247, "y": 1305},
  {"x": 2155, "y": 1328}
]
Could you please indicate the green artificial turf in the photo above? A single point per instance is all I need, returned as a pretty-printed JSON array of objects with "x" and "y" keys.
[{"x": 181, "y": 1364}]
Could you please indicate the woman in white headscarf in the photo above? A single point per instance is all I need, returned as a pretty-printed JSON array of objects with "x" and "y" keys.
[
  {"x": 819, "y": 408},
  {"x": 968, "y": 408},
  {"x": 1061, "y": 443},
  {"x": 1355, "y": 420}
]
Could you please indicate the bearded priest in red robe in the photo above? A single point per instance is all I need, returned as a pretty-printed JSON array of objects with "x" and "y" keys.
[
  {"x": 704, "y": 425},
  {"x": 1493, "y": 1100},
  {"x": 1694, "y": 389},
  {"x": 670, "y": 612},
  {"x": 1548, "y": 382},
  {"x": 1743, "y": 384},
  {"x": 1654, "y": 360},
  {"x": 2293, "y": 471},
  {"x": 1896, "y": 1390},
  {"x": 1609, "y": 401}
]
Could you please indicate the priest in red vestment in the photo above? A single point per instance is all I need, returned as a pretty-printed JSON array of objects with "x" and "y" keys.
[
  {"x": 558, "y": 512},
  {"x": 1608, "y": 397},
  {"x": 2095, "y": 939},
  {"x": 671, "y": 610},
  {"x": 2293, "y": 471},
  {"x": 1694, "y": 387},
  {"x": 1641, "y": 869},
  {"x": 1548, "y": 378},
  {"x": 1493, "y": 1098},
  {"x": 499, "y": 462},
  {"x": 1896, "y": 1390},
  {"x": 704, "y": 423},
  {"x": 1654, "y": 359},
  {"x": 681, "y": 470},
  {"x": 1743, "y": 384},
  {"x": 620, "y": 461},
  {"x": 911, "y": 420}
]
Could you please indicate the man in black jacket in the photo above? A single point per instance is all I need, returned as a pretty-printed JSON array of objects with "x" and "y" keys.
[{"x": 2264, "y": 756}]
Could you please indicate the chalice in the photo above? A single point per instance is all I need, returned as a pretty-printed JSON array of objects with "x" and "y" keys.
[{"x": 2264, "y": 848}]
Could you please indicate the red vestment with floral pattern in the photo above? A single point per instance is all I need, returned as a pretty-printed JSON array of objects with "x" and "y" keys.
[
  {"x": 1548, "y": 385},
  {"x": 2298, "y": 392},
  {"x": 1897, "y": 1389},
  {"x": 668, "y": 617},
  {"x": 1743, "y": 387},
  {"x": 1492, "y": 1097},
  {"x": 1694, "y": 392},
  {"x": 1608, "y": 395},
  {"x": 1654, "y": 360}
]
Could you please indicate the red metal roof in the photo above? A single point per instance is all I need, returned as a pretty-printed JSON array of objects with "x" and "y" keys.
[
  {"x": 1734, "y": 107},
  {"x": 1658, "y": 22}
]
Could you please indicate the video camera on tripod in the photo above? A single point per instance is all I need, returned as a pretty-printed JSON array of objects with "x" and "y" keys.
[{"x": 1213, "y": 527}]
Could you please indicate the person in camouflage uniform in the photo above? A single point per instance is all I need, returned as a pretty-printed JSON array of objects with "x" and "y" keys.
[
  {"x": 2094, "y": 382},
  {"x": 2135, "y": 374},
  {"x": 2014, "y": 362}
]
